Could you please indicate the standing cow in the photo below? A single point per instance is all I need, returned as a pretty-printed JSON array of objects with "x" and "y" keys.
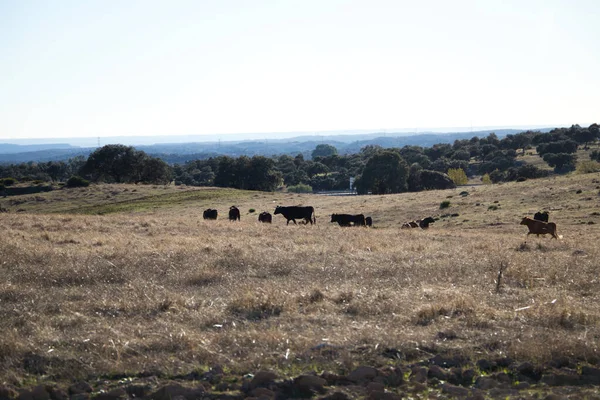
[
  {"x": 210, "y": 214},
  {"x": 234, "y": 213},
  {"x": 542, "y": 216},
  {"x": 292, "y": 213}
]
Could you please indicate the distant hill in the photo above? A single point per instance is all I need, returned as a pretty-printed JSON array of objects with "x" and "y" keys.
[{"x": 182, "y": 152}]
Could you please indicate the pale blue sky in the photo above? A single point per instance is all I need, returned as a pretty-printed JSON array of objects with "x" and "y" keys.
[{"x": 73, "y": 68}]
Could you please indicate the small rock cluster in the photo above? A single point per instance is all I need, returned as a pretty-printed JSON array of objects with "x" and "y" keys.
[{"x": 448, "y": 377}]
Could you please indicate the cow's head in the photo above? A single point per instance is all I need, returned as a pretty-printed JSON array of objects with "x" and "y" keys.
[
  {"x": 277, "y": 210},
  {"x": 334, "y": 217}
]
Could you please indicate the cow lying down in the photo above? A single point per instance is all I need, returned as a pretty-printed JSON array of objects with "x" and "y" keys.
[
  {"x": 420, "y": 223},
  {"x": 539, "y": 227},
  {"x": 348, "y": 219}
]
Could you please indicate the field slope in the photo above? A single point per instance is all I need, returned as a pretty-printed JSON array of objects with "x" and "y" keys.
[{"x": 130, "y": 281}]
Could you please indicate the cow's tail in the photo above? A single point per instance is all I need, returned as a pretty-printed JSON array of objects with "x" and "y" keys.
[{"x": 314, "y": 217}]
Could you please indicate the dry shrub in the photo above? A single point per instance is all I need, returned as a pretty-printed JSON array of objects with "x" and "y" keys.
[
  {"x": 455, "y": 308},
  {"x": 256, "y": 306}
]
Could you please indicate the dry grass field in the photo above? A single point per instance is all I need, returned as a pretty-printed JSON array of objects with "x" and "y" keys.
[{"x": 124, "y": 280}]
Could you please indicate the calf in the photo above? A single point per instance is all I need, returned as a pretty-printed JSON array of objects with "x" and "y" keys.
[
  {"x": 234, "y": 213},
  {"x": 265, "y": 217}
]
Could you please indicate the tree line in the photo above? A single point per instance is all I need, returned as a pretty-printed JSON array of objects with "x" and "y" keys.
[{"x": 376, "y": 169}]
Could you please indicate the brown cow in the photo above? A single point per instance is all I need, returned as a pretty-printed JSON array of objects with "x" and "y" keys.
[
  {"x": 539, "y": 227},
  {"x": 411, "y": 224}
]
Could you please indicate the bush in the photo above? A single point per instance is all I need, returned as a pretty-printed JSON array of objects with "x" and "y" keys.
[
  {"x": 251, "y": 210},
  {"x": 77, "y": 181},
  {"x": 9, "y": 181},
  {"x": 444, "y": 204},
  {"x": 588, "y": 167},
  {"x": 300, "y": 188},
  {"x": 486, "y": 179},
  {"x": 458, "y": 176}
]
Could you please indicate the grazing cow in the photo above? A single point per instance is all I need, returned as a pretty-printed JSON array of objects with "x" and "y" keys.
[
  {"x": 369, "y": 221},
  {"x": 297, "y": 212},
  {"x": 265, "y": 217},
  {"x": 539, "y": 227},
  {"x": 542, "y": 216},
  {"x": 348, "y": 220},
  {"x": 210, "y": 214},
  {"x": 424, "y": 223},
  {"x": 234, "y": 213}
]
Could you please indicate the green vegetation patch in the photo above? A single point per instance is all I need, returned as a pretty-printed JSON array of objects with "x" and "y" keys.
[{"x": 165, "y": 200}]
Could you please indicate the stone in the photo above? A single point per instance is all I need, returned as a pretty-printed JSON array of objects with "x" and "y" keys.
[
  {"x": 455, "y": 390},
  {"x": 447, "y": 362},
  {"x": 376, "y": 387},
  {"x": 486, "y": 365},
  {"x": 80, "y": 396},
  {"x": 8, "y": 393},
  {"x": 263, "y": 378},
  {"x": 561, "y": 379},
  {"x": 337, "y": 396},
  {"x": 115, "y": 394},
  {"x": 485, "y": 383},
  {"x": 58, "y": 394},
  {"x": 590, "y": 375},
  {"x": 381, "y": 395},
  {"x": 362, "y": 373},
  {"x": 438, "y": 372},
  {"x": 419, "y": 374},
  {"x": 170, "y": 391},
  {"x": 309, "y": 383},
  {"x": 263, "y": 393},
  {"x": 138, "y": 391},
  {"x": 80, "y": 387},
  {"x": 39, "y": 392}
]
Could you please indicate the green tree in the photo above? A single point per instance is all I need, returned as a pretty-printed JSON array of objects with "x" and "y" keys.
[
  {"x": 112, "y": 163},
  {"x": 323, "y": 150},
  {"x": 561, "y": 162},
  {"x": 434, "y": 180},
  {"x": 385, "y": 172}
]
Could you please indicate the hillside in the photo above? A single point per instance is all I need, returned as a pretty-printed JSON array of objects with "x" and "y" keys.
[
  {"x": 182, "y": 152},
  {"x": 130, "y": 282}
]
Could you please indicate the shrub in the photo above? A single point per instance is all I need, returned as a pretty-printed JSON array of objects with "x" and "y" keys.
[
  {"x": 444, "y": 204},
  {"x": 300, "y": 188},
  {"x": 458, "y": 176},
  {"x": 486, "y": 179},
  {"x": 9, "y": 181},
  {"x": 588, "y": 167},
  {"x": 77, "y": 181},
  {"x": 251, "y": 210}
]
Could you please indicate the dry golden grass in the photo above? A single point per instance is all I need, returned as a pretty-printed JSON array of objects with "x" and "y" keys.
[{"x": 163, "y": 290}]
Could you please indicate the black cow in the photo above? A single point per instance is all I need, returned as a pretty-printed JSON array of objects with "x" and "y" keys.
[
  {"x": 542, "y": 216},
  {"x": 209, "y": 213},
  {"x": 234, "y": 213},
  {"x": 348, "y": 220},
  {"x": 265, "y": 217},
  {"x": 297, "y": 212},
  {"x": 369, "y": 221},
  {"x": 424, "y": 223}
]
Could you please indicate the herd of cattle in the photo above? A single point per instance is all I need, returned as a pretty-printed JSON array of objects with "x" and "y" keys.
[{"x": 538, "y": 225}]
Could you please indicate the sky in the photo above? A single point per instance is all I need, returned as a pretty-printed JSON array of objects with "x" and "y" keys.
[{"x": 87, "y": 68}]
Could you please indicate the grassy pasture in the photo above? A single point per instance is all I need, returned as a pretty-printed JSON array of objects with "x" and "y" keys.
[{"x": 125, "y": 279}]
